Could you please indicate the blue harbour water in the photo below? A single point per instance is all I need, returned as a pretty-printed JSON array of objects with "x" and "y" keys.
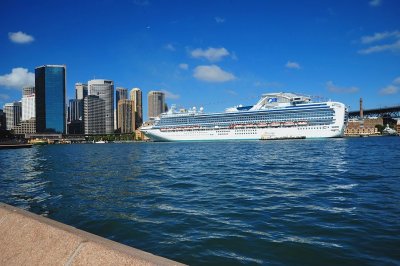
[{"x": 294, "y": 202}]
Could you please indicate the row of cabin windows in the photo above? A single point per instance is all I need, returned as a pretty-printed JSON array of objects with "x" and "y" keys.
[
  {"x": 247, "y": 119},
  {"x": 261, "y": 116}
]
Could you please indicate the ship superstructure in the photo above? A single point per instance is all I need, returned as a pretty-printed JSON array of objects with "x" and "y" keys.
[{"x": 274, "y": 116}]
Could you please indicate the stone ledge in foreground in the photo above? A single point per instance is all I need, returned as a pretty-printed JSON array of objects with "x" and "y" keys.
[{"x": 30, "y": 239}]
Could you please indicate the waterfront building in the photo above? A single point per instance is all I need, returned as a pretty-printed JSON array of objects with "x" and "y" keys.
[
  {"x": 26, "y": 91},
  {"x": 126, "y": 116},
  {"x": 28, "y": 103},
  {"x": 26, "y": 127},
  {"x": 136, "y": 96},
  {"x": 50, "y": 98},
  {"x": 94, "y": 115},
  {"x": 81, "y": 91},
  {"x": 120, "y": 94},
  {"x": 104, "y": 89},
  {"x": 155, "y": 101},
  {"x": 75, "y": 117},
  {"x": 75, "y": 110},
  {"x": 3, "y": 120},
  {"x": 13, "y": 113},
  {"x": 367, "y": 126}
]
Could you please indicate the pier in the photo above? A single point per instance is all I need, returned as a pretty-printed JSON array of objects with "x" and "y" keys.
[{"x": 30, "y": 239}]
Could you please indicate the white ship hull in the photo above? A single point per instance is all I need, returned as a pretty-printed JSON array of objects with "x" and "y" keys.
[{"x": 246, "y": 134}]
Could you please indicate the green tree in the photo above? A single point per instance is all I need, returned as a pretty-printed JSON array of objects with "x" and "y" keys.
[{"x": 380, "y": 128}]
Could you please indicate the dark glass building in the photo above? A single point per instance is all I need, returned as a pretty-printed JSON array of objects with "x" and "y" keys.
[
  {"x": 120, "y": 94},
  {"x": 50, "y": 98},
  {"x": 75, "y": 117},
  {"x": 3, "y": 120}
]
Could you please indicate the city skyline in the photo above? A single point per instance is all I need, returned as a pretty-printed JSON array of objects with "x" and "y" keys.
[{"x": 210, "y": 54}]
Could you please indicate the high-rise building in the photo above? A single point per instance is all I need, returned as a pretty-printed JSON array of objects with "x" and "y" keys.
[
  {"x": 75, "y": 110},
  {"x": 28, "y": 103},
  {"x": 3, "y": 120},
  {"x": 26, "y": 91},
  {"x": 26, "y": 127},
  {"x": 13, "y": 113},
  {"x": 136, "y": 96},
  {"x": 156, "y": 100},
  {"x": 126, "y": 116},
  {"x": 120, "y": 94},
  {"x": 50, "y": 83},
  {"x": 94, "y": 115},
  {"x": 75, "y": 124},
  {"x": 105, "y": 90},
  {"x": 81, "y": 91}
]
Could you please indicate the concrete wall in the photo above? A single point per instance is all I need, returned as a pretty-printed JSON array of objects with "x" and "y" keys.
[{"x": 30, "y": 239}]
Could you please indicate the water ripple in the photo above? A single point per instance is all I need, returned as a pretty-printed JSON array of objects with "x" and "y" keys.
[{"x": 228, "y": 203}]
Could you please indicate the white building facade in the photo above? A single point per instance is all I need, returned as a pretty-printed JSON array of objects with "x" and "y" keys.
[
  {"x": 28, "y": 103},
  {"x": 104, "y": 89}
]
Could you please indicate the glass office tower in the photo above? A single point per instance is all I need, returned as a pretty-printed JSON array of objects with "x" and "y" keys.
[{"x": 50, "y": 98}]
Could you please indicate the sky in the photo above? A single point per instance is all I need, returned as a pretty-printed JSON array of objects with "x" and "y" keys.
[{"x": 211, "y": 54}]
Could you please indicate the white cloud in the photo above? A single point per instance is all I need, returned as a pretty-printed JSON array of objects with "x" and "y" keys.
[
  {"x": 170, "y": 95},
  {"x": 388, "y": 90},
  {"x": 268, "y": 85},
  {"x": 170, "y": 47},
  {"x": 20, "y": 37},
  {"x": 293, "y": 65},
  {"x": 219, "y": 20},
  {"x": 378, "y": 36},
  {"x": 375, "y": 2},
  {"x": 232, "y": 92},
  {"x": 333, "y": 88},
  {"x": 184, "y": 66},
  {"x": 396, "y": 81},
  {"x": 211, "y": 54},
  {"x": 392, "y": 88},
  {"x": 18, "y": 78},
  {"x": 212, "y": 73},
  {"x": 393, "y": 47},
  {"x": 388, "y": 36}
]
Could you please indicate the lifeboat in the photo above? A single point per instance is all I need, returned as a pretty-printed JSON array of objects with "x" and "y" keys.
[
  {"x": 289, "y": 124},
  {"x": 275, "y": 124}
]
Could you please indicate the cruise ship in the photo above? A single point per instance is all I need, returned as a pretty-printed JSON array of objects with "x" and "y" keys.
[{"x": 274, "y": 116}]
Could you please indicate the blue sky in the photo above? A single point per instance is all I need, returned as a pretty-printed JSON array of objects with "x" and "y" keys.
[{"x": 213, "y": 54}]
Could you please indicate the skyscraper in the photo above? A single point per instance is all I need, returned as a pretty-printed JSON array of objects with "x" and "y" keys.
[
  {"x": 156, "y": 100},
  {"x": 136, "y": 96},
  {"x": 28, "y": 103},
  {"x": 26, "y": 91},
  {"x": 105, "y": 90},
  {"x": 120, "y": 94},
  {"x": 75, "y": 110},
  {"x": 94, "y": 113},
  {"x": 50, "y": 98},
  {"x": 13, "y": 113},
  {"x": 3, "y": 120},
  {"x": 75, "y": 124},
  {"x": 81, "y": 91},
  {"x": 126, "y": 116}
]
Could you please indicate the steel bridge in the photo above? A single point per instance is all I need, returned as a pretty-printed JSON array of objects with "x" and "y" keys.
[{"x": 385, "y": 112}]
